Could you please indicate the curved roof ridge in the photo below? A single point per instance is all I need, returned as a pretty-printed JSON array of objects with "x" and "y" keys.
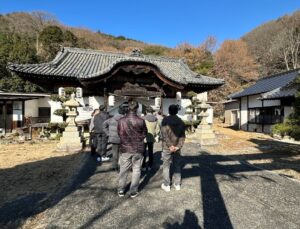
[
  {"x": 73, "y": 49},
  {"x": 279, "y": 74}
]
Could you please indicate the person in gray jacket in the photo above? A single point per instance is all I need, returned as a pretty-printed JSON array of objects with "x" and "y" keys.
[{"x": 110, "y": 128}]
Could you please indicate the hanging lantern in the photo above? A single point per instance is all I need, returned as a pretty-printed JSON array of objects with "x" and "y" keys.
[
  {"x": 157, "y": 102},
  {"x": 178, "y": 95},
  {"x": 61, "y": 92},
  {"x": 78, "y": 92},
  {"x": 111, "y": 100}
]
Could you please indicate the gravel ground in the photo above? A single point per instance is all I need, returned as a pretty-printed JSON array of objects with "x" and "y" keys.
[{"x": 217, "y": 192}]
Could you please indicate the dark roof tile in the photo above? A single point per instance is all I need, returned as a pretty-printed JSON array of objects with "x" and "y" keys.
[
  {"x": 268, "y": 84},
  {"x": 86, "y": 63}
]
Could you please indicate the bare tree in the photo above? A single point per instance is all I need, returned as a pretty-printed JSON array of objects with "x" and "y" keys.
[{"x": 286, "y": 45}]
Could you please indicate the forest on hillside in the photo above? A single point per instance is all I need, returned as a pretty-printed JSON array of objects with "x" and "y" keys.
[{"x": 270, "y": 48}]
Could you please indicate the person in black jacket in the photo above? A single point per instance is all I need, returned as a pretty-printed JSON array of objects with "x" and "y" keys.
[{"x": 101, "y": 137}]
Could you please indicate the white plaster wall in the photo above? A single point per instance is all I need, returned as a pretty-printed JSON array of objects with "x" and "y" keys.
[
  {"x": 17, "y": 111},
  {"x": 244, "y": 113},
  {"x": 287, "y": 111},
  {"x": 95, "y": 101},
  {"x": 54, "y": 106},
  {"x": 202, "y": 96},
  {"x": 44, "y": 102},
  {"x": 271, "y": 103},
  {"x": 183, "y": 103},
  {"x": 32, "y": 108},
  {"x": 253, "y": 101}
]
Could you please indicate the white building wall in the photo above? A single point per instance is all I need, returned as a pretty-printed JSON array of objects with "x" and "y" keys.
[
  {"x": 54, "y": 106},
  {"x": 44, "y": 102},
  {"x": 287, "y": 111},
  {"x": 255, "y": 102},
  {"x": 31, "y": 108},
  {"x": 244, "y": 113}
]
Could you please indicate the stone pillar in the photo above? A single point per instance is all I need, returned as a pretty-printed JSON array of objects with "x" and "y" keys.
[{"x": 70, "y": 140}]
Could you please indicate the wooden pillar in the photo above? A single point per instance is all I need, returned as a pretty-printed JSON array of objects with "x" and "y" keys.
[
  {"x": 23, "y": 113},
  {"x": 263, "y": 117},
  {"x": 4, "y": 115},
  {"x": 247, "y": 113}
]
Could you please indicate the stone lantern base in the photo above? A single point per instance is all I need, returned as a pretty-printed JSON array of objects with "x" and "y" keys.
[
  {"x": 204, "y": 135},
  {"x": 70, "y": 140}
]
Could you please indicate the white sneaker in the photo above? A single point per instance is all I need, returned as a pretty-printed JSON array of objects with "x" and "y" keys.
[
  {"x": 177, "y": 187},
  {"x": 166, "y": 188},
  {"x": 105, "y": 158}
]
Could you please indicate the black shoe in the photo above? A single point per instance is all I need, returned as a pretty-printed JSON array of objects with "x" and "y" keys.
[
  {"x": 121, "y": 193},
  {"x": 134, "y": 194}
]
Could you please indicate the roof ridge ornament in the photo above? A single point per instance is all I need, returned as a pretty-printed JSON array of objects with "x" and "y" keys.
[{"x": 136, "y": 53}]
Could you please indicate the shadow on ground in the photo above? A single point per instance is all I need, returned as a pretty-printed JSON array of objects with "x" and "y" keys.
[
  {"x": 203, "y": 165},
  {"x": 33, "y": 198}
]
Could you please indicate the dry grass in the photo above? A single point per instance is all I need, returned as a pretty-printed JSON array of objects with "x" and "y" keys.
[
  {"x": 28, "y": 168},
  {"x": 260, "y": 150}
]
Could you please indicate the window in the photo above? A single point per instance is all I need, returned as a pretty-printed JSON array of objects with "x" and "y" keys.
[
  {"x": 265, "y": 115},
  {"x": 44, "y": 111}
]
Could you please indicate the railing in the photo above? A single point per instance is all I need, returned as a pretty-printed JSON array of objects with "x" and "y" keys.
[
  {"x": 266, "y": 119},
  {"x": 34, "y": 120}
]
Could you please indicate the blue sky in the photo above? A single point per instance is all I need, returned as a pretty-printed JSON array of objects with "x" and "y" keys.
[{"x": 165, "y": 22}]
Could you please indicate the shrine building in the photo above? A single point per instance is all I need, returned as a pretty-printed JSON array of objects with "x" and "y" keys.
[{"x": 111, "y": 78}]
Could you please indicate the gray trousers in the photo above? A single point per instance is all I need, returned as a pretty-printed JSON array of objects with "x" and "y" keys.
[
  {"x": 168, "y": 159},
  {"x": 128, "y": 160},
  {"x": 115, "y": 154}
]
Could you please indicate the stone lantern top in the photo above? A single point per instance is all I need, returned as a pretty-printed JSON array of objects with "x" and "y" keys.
[{"x": 71, "y": 102}]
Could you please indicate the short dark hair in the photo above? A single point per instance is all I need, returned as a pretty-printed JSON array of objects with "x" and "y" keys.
[
  {"x": 149, "y": 109},
  {"x": 102, "y": 108},
  {"x": 173, "y": 109},
  {"x": 133, "y": 105},
  {"x": 121, "y": 110}
]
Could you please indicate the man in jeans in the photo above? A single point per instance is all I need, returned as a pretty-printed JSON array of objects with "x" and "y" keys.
[
  {"x": 132, "y": 130},
  {"x": 173, "y": 136}
]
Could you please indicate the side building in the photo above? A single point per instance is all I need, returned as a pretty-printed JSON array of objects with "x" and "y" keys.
[{"x": 267, "y": 102}]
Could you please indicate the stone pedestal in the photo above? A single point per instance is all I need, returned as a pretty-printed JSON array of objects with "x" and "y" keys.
[
  {"x": 204, "y": 134},
  {"x": 71, "y": 140}
]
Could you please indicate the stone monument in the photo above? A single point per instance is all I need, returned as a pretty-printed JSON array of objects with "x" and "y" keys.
[
  {"x": 204, "y": 134},
  {"x": 70, "y": 140}
]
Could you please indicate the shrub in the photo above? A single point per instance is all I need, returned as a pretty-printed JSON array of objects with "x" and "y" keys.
[
  {"x": 60, "y": 112},
  {"x": 57, "y": 127},
  {"x": 281, "y": 129}
]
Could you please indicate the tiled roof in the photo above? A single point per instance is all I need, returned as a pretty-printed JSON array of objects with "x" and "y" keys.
[
  {"x": 268, "y": 84},
  {"x": 86, "y": 63},
  {"x": 283, "y": 92}
]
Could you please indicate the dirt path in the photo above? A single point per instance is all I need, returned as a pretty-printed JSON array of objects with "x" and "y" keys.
[{"x": 260, "y": 150}]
